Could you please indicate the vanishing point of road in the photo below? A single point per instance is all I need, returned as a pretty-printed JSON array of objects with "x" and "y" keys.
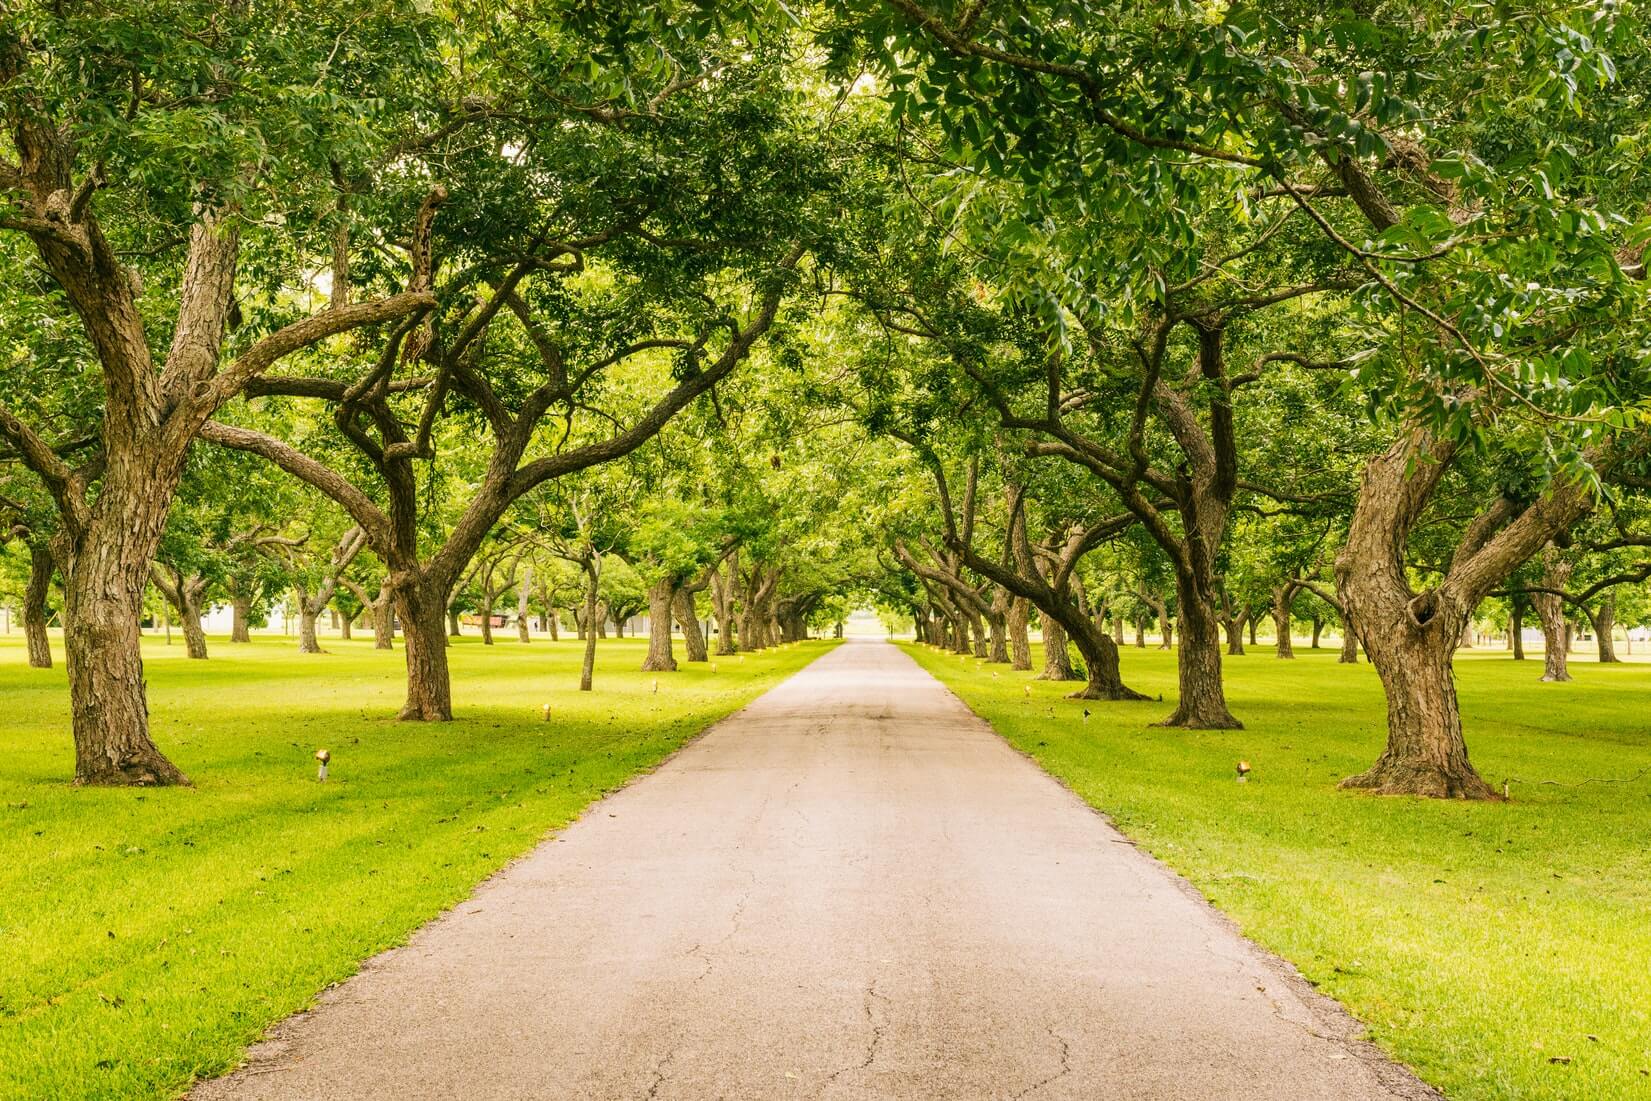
[{"x": 851, "y": 889}]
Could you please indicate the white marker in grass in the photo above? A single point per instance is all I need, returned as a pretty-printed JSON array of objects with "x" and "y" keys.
[
  {"x": 547, "y": 713},
  {"x": 656, "y": 686},
  {"x": 323, "y": 756}
]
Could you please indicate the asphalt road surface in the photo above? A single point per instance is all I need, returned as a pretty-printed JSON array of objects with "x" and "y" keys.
[{"x": 851, "y": 889}]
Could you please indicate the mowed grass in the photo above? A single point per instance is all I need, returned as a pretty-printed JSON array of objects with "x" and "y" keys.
[
  {"x": 146, "y": 937},
  {"x": 1502, "y": 950}
]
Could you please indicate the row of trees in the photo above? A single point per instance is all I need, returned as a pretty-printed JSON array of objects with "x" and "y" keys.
[{"x": 1066, "y": 305}]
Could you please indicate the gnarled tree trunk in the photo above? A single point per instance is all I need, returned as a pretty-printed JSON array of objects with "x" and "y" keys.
[{"x": 103, "y": 585}]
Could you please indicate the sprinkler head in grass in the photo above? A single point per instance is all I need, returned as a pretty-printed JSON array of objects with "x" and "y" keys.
[
  {"x": 546, "y": 713},
  {"x": 1086, "y": 714},
  {"x": 1027, "y": 688},
  {"x": 1243, "y": 772},
  {"x": 323, "y": 756},
  {"x": 656, "y": 686},
  {"x": 713, "y": 667}
]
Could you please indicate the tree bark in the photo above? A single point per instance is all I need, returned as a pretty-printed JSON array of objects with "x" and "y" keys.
[
  {"x": 102, "y": 602},
  {"x": 1020, "y": 646},
  {"x": 1318, "y": 629},
  {"x": 240, "y": 619},
  {"x": 1285, "y": 646},
  {"x": 1605, "y": 625},
  {"x": 1349, "y": 643},
  {"x": 453, "y": 630},
  {"x": 1057, "y": 663},
  {"x": 723, "y": 591},
  {"x": 189, "y": 618},
  {"x": 1550, "y": 610},
  {"x": 1516, "y": 627},
  {"x": 41, "y": 565},
  {"x": 1203, "y": 703},
  {"x": 307, "y": 641},
  {"x": 346, "y": 626},
  {"x": 1235, "y": 634},
  {"x": 693, "y": 639},
  {"x": 593, "y": 576},
  {"x": 661, "y": 595},
  {"x": 998, "y": 648},
  {"x": 1410, "y": 637},
  {"x": 421, "y": 607},
  {"x": 523, "y": 590}
]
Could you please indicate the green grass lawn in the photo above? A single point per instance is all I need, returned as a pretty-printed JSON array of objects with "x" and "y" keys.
[
  {"x": 146, "y": 937},
  {"x": 1503, "y": 950}
]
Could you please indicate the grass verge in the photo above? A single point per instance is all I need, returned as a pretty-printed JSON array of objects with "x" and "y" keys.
[
  {"x": 1502, "y": 950},
  {"x": 146, "y": 937}
]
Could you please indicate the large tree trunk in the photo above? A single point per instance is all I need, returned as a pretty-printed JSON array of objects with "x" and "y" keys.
[
  {"x": 1410, "y": 637},
  {"x": 1285, "y": 646},
  {"x": 1235, "y": 634},
  {"x": 1203, "y": 703},
  {"x": 1020, "y": 645},
  {"x": 1426, "y": 753},
  {"x": 41, "y": 565},
  {"x": 523, "y": 632},
  {"x": 693, "y": 639},
  {"x": 1140, "y": 634},
  {"x": 487, "y": 619},
  {"x": 1057, "y": 663},
  {"x": 103, "y": 586},
  {"x": 1318, "y": 629},
  {"x": 240, "y": 619},
  {"x": 421, "y": 609},
  {"x": 1100, "y": 660},
  {"x": 1605, "y": 625},
  {"x": 661, "y": 595},
  {"x": 346, "y": 627},
  {"x": 1516, "y": 628},
  {"x": 1550, "y": 610}
]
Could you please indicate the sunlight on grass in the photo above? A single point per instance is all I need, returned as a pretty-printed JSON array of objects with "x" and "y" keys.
[
  {"x": 147, "y": 936},
  {"x": 1504, "y": 951}
]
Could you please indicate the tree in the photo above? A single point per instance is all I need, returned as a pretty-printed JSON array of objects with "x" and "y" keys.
[{"x": 96, "y": 173}]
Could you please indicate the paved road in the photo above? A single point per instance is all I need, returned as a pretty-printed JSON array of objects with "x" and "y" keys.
[{"x": 852, "y": 889}]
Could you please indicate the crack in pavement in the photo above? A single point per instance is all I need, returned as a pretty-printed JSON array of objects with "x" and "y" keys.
[
  {"x": 1065, "y": 1069},
  {"x": 873, "y": 1043}
]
